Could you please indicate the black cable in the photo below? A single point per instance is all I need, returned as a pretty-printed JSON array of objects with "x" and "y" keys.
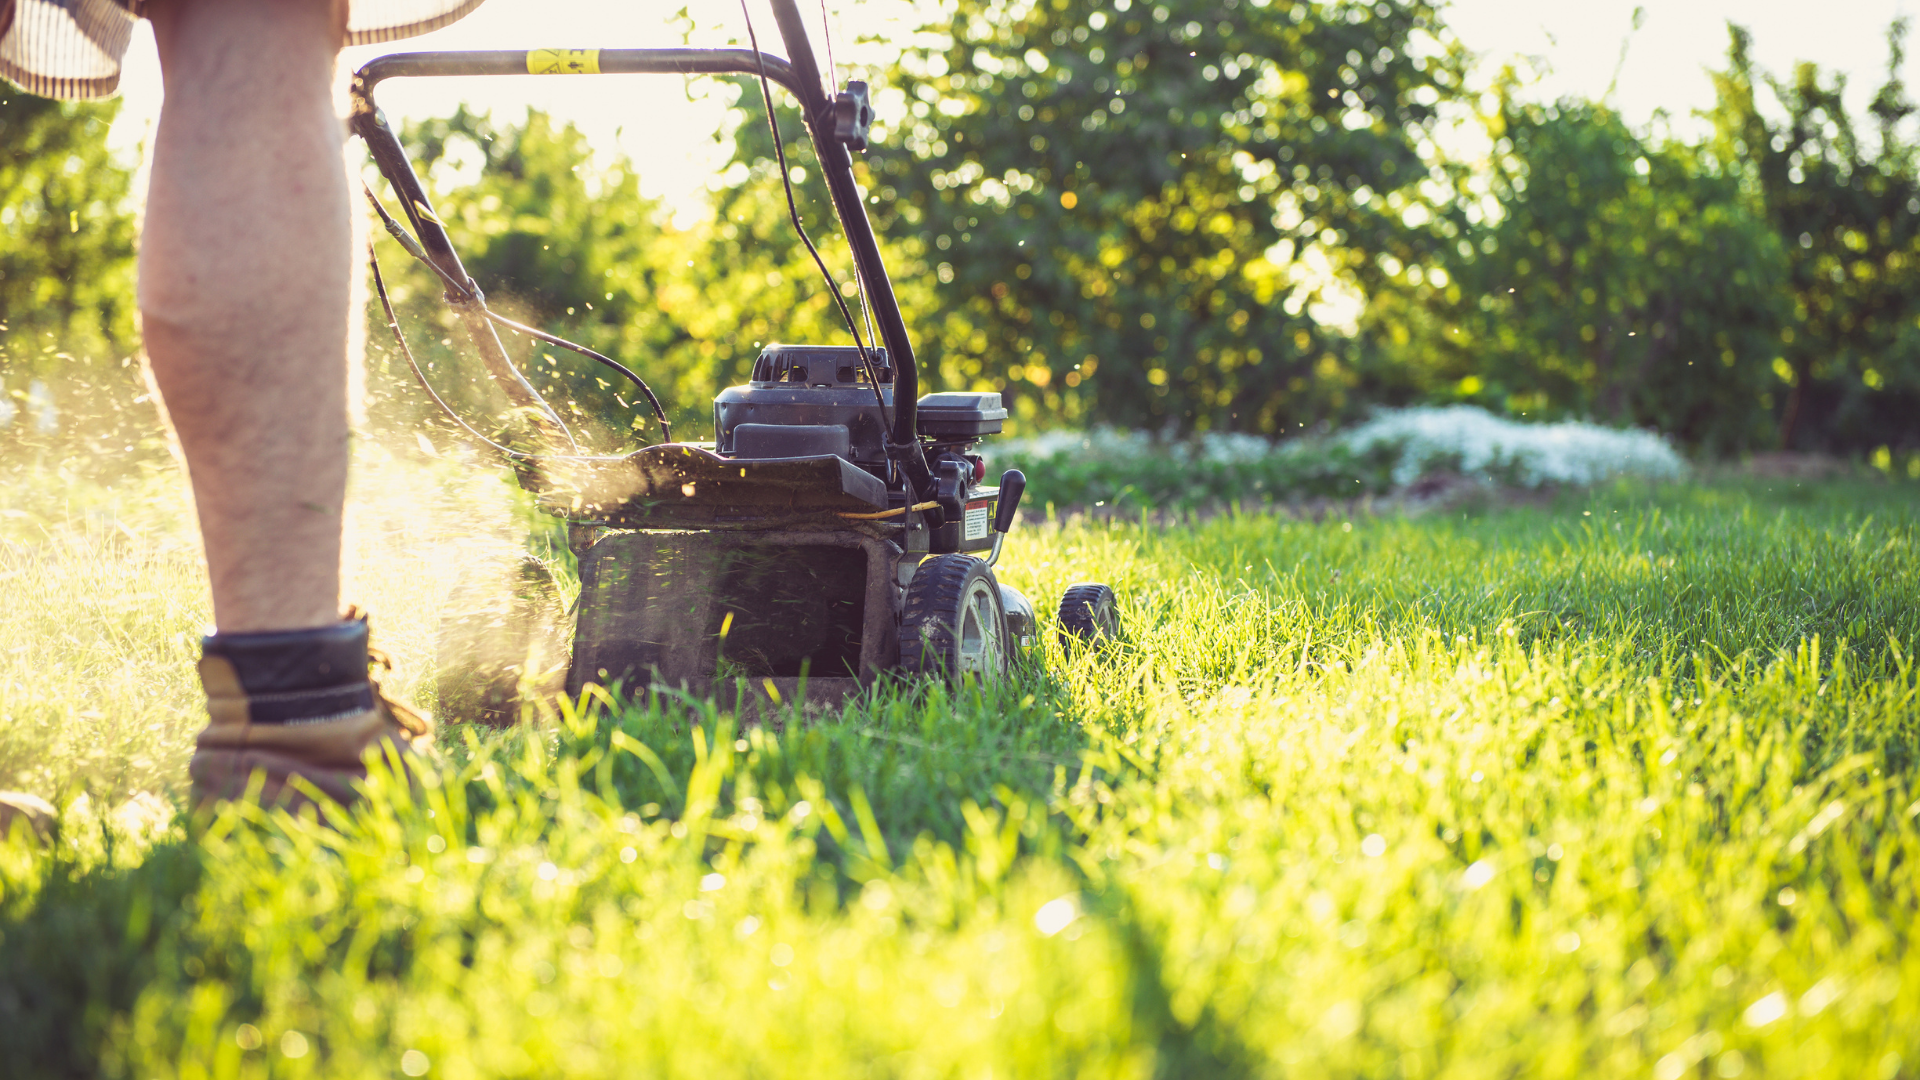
[
  {"x": 793, "y": 212},
  {"x": 393, "y": 324},
  {"x": 826, "y": 33},
  {"x": 866, "y": 314},
  {"x": 470, "y": 295},
  {"x": 660, "y": 415}
]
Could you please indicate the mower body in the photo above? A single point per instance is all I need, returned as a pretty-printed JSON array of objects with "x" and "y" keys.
[{"x": 778, "y": 557}]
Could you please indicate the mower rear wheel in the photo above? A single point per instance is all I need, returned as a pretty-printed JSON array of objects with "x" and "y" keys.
[
  {"x": 953, "y": 623},
  {"x": 1089, "y": 613}
]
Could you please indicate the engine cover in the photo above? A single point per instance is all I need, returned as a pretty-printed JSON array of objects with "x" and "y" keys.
[{"x": 810, "y": 387}]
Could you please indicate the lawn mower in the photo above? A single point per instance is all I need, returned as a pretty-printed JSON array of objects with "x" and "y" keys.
[{"x": 836, "y": 528}]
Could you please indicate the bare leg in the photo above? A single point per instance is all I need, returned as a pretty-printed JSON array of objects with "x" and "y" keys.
[{"x": 244, "y": 270}]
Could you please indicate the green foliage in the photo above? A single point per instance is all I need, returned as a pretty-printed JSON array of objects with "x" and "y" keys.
[
  {"x": 1848, "y": 217},
  {"x": 557, "y": 241},
  {"x": 1600, "y": 276},
  {"x": 1183, "y": 475},
  {"x": 66, "y": 243},
  {"x": 1096, "y": 193},
  {"x": 1150, "y": 301},
  {"x": 1752, "y": 290},
  {"x": 1128, "y": 217},
  {"x": 66, "y": 276},
  {"x": 1613, "y": 786},
  {"x": 755, "y": 281}
]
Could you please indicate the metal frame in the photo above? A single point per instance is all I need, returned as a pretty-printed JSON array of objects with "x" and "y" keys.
[{"x": 681, "y": 654}]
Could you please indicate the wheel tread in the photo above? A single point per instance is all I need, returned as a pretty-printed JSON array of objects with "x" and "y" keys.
[
  {"x": 926, "y": 639},
  {"x": 1081, "y": 607}
]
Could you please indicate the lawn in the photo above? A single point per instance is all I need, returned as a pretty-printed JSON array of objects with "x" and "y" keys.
[{"x": 1609, "y": 782}]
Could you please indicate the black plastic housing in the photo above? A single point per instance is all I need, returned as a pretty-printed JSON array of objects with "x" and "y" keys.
[
  {"x": 807, "y": 387},
  {"x": 818, "y": 365},
  {"x": 808, "y": 401},
  {"x": 791, "y": 440},
  {"x": 960, "y": 415},
  {"x": 974, "y": 530}
]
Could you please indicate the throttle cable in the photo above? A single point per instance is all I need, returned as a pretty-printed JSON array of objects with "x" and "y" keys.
[
  {"x": 471, "y": 294},
  {"x": 793, "y": 213}
]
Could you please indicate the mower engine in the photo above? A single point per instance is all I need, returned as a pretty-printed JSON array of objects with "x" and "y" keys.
[{"x": 808, "y": 400}]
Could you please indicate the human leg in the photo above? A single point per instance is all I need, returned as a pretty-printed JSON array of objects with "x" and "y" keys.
[
  {"x": 244, "y": 297},
  {"x": 244, "y": 271}
]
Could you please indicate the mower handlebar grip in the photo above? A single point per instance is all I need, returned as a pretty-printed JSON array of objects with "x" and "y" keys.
[{"x": 1013, "y": 484}]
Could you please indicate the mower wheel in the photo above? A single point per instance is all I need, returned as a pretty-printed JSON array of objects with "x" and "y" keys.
[
  {"x": 953, "y": 623},
  {"x": 1089, "y": 613},
  {"x": 502, "y": 641}
]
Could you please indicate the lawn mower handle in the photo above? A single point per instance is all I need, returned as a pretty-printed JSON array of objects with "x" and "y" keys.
[
  {"x": 836, "y": 161},
  {"x": 800, "y": 75}
]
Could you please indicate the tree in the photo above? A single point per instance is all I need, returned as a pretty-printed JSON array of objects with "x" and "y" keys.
[
  {"x": 1848, "y": 217},
  {"x": 568, "y": 244},
  {"x": 558, "y": 242},
  {"x": 1112, "y": 209},
  {"x": 1600, "y": 276}
]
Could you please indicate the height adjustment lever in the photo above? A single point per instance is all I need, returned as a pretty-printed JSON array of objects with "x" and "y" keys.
[
  {"x": 1013, "y": 484},
  {"x": 853, "y": 115}
]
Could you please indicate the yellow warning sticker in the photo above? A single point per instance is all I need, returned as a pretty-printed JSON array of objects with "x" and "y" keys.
[{"x": 563, "y": 61}]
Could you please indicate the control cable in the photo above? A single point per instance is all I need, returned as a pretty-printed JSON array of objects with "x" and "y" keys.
[
  {"x": 470, "y": 294},
  {"x": 793, "y": 213}
]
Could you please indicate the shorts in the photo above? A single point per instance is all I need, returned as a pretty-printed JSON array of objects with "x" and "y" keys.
[{"x": 71, "y": 49}]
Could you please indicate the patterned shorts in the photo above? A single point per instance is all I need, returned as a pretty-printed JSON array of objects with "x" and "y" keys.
[{"x": 71, "y": 49}]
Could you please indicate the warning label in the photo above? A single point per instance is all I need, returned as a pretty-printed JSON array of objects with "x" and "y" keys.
[
  {"x": 977, "y": 520},
  {"x": 563, "y": 61}
]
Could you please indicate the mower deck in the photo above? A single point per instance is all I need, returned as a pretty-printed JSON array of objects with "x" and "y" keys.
[
  {"x": 688, "y": 485},
  {"x": 701, "y": 611}
]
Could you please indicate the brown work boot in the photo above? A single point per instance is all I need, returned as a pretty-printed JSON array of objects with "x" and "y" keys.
[
  {"x": 33, "y": 815},
  {"x": 292, "y": 704}
]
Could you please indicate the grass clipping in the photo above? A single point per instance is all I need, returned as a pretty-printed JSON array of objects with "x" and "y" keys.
[{"x": 107, "y": 601}]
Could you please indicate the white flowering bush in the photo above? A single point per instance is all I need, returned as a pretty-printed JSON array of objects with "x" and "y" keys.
[
  {"x": 1395, "y": 449},
  {"x": 1469, "y": 440}
]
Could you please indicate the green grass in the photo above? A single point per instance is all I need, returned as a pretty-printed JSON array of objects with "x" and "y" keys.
[{"x": 1617, "y": 785}]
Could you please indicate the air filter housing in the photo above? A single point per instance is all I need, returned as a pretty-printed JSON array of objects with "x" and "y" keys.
[{"x": 953, "y": 416}]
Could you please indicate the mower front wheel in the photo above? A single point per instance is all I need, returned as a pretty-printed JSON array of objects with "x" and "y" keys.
[
  {"x": 952, "y": 623},
  {"x": 1089, "y": 613}
]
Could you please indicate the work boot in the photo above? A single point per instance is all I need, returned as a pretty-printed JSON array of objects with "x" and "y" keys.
[
  {"x": 35, "y": 815},
  {"x": 297, "y": 703}
]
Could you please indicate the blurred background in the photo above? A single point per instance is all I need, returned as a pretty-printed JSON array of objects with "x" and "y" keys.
[{"x": 1178, "y": 217}]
